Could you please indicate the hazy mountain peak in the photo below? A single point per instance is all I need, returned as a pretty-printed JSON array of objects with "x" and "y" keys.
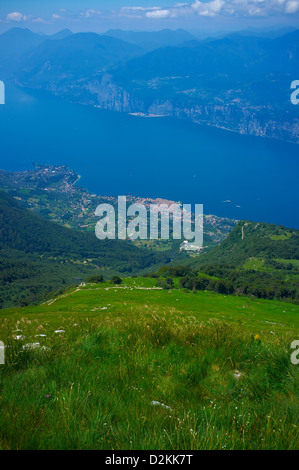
[
  {"x": 150, "y": 40},
  {"x": 61, "y": 34}
]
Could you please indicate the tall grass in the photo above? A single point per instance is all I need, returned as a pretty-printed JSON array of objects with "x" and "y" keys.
[{"x": 146, "y": 383}]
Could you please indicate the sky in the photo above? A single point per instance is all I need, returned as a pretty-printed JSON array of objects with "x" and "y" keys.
[{"x": 100, "y": 15}]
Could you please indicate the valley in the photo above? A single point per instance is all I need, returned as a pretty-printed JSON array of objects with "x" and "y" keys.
[{"x": 39, "y": 257}]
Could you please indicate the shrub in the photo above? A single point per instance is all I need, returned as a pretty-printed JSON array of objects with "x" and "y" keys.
[
  {"x": 165, "y": 283},
  {"x": 116, "y": 280}
]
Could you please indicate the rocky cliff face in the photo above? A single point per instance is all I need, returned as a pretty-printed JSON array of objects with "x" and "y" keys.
[{"x": 104, "y": 93}]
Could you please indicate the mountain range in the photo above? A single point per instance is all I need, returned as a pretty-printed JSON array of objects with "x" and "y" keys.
[
  {"x": 238, "y": 82},
  {"x": 76, "y": 56},
  {"x": 22, "y": 50},
  {"x": 150, "y": 40}
]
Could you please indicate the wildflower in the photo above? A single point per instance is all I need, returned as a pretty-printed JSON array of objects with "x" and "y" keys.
[
  {"x": 31, "y": 346},
  {"x": 237, "y": 374},
  {"x": 157, "y": 403}
]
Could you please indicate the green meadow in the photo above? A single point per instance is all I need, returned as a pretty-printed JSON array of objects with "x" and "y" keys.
[{"x": 138, "y": 367}]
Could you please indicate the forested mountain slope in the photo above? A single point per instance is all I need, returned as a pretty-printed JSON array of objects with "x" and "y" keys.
[{"x": 37, "y": 256}]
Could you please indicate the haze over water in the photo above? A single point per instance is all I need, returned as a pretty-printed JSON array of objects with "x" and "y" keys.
[{"x": 117, "y": 154}]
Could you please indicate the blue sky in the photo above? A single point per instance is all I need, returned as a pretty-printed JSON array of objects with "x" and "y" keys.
[{"x": 100, "y": 15}]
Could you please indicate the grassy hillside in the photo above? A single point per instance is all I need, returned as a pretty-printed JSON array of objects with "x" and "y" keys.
[
  {"x": 256, "y": 259},
  {"x": 38, "y": 256},
  {"x": 136, "y": 367},
  {"x": 250, "y": 240}
]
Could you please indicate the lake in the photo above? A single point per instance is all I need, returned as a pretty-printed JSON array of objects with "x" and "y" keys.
[{"x": 117, "y": 154}]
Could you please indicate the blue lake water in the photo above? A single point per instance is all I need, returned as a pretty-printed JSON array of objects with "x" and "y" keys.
[{"x": 118, "y": 154}]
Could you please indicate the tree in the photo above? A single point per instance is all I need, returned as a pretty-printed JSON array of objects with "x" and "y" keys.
[
  {"x": 116, "y": 280},
  {"x": 95, "y": 279}
]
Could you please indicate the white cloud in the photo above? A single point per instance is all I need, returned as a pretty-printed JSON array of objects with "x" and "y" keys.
[
  {"x": 158, "y": 14},
  {"x": 254, "y": 11},
  {"x": 211, "y": 8},
  {"x": 208, "y": 8},
  {"x": 244, "y": 8},
  {"x": 15, "y": 16},
  {"x": 90, "y": 13},
  {"x": 148, "y": 12},
  {"x": 180, "y": 8},
  {"x": 292, "y": 6},
  {"x": 140, "y": 8},
  {"x": 191, "y": 8},
  {"x": 39, "y": 20}
]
